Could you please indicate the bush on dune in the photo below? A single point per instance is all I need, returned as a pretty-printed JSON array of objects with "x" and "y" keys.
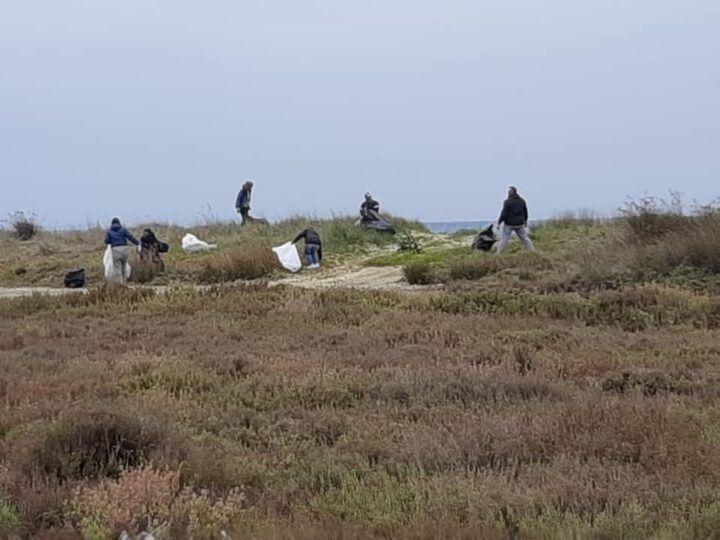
[
  {"x": 24, "y": 225},
  {"x": 251, "y": 262},
  {"x": 664, "y": 237}
]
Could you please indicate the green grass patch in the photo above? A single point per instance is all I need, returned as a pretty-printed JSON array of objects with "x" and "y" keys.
[{"x": 434, "y": 256}]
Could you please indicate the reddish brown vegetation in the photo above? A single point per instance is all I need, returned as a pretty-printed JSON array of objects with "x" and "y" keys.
[{"x": 362, "y": 413}]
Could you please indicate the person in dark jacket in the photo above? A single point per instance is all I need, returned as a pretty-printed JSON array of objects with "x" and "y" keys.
[
  {"x": 151, "y": 249},
  {"x": 313, "y": 246},
  {"x": 117, "y": 237},
  {"x": 514, "y": 218},
  {"x": 369, "y": 209},
  {"x": 242, "y": 203}
]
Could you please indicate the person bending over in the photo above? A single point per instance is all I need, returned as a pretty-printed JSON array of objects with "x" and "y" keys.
[{"x": 313, "y": 246}]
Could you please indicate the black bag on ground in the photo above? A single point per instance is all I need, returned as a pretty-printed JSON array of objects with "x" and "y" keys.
[
  {"x": 374, "y": 220},
  {"x": 485, "y": 239},
  {"x": 75, "y": 279}
]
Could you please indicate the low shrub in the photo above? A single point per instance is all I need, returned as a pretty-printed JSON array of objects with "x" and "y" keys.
[
  {"x": 148, "y": 499},
  {"x": 252, "y": 262},
  {"x": 24, "y": 225},
  {"x": 651, "y": 218},
  {"x": 409, "y": 242},
  {"x": 96, "y": 445},
  {"x": 419, "y": 274},
  {"x": 695, "y": 245},
  {"x": 475, "y": 267},
  {"x": 479, "y": 265},
  {"x": 8, "y": 515},
  {"x": 145, "y": 271}
]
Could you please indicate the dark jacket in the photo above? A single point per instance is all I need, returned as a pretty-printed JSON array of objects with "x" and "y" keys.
[
  {"x": 369, "y": 204},
  {"x": 514, "y": 212},
  {"x": 117, "y": 236},
  {"x": 243, "y": 199},
  {"x": 311, "y": 237}
]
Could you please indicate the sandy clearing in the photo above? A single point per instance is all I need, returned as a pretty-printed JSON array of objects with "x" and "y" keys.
[{"x": 369, "y": 277}]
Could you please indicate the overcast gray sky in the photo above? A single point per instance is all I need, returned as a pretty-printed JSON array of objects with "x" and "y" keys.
[{"x": 158, "y": 108}]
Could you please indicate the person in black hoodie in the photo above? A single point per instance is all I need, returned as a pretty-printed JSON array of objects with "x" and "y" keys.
[
  {"x": 514, "y": 218},
  {"x": 313, "y": 246}
]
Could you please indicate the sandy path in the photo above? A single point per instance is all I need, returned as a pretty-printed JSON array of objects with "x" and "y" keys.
[{"x": 368, "y": 277}]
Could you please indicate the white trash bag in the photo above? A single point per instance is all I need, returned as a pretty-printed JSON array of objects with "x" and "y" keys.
[
  {"x": 191, "y": 244},
  {"x": 112, "y": 272},
  {"x": 288, "y": 256}
]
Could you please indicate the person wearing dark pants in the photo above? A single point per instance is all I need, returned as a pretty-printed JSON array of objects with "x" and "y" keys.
[
  {"x": 242, "y": 203},
  {"x": 313, "y": 246}
]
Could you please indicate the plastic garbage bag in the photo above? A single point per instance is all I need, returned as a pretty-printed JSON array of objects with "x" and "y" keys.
[
  {"x": 192, "y": 244},
  {"x": 112, "y": 272},
  {"x": 288, "y": 256}
]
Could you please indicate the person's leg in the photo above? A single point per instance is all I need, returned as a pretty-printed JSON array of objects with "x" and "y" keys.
[
  {"x": 120, "y": 256},
  {"x": 504, "y": 238},
  {"x": 244, "y": 213},
  {"x": 124, "y": 258},
  {"x": 524, "y": 237},
  {"x": 308, "y": 254},
  {"x": 316, "y": 255}
]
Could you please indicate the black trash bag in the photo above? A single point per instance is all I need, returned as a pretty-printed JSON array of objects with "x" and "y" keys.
[
  {"x": 163, "y": 247},
  {"x": 75, "y": 279},
  {"x": 373, "y": 220},
  {"x": 485, "y": 239}
]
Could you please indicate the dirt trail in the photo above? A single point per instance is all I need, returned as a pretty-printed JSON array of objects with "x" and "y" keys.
[
  {"x": 368, "y": 277},
  {"x": 358, "y": 277}
]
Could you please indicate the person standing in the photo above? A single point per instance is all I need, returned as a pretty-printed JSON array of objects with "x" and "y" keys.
[
  {"x": 313, "y": 246},
  {"x": 117, "y": 237},
  {"x": 242, "y": 203},
  {"x": 514, "y": 218}
]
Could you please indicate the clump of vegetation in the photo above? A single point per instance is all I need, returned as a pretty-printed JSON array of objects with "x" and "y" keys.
[
  {"x": 24, "y": 225},
  {"x": 650, "y": 218},
  {"x": 251, "y": 262},
  {"x": 420, "y": 273},
  {"x": 154, "y": 500},
  {"x": 667, "y": 236},
  {"x": 98, "y": 445},
  {"x": 8, "y": 515},
  {"x": 145, "y": 271},
  {"x": 409, "y": 242}
]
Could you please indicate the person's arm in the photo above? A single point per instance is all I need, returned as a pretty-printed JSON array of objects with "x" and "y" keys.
[
  {"x": 131, "y": 238},
  {"x": 107, "y": 237},
  {"x": 525, "y": 212},
  {"x": 503, "y": 213},
  {"x": 300, "y": 236}
]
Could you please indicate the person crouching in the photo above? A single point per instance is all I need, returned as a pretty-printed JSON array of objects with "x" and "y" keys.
[
  {"x": 313, "y": 246},
  {"x": 117, "y": 237}
]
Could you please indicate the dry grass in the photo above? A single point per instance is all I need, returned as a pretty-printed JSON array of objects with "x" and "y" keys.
[
  {"x": 250, "y": 262},
  {"x": 301, "y": 414}
]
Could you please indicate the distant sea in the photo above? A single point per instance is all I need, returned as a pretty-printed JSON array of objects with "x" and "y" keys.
[{"x": 447, "y": 227}]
